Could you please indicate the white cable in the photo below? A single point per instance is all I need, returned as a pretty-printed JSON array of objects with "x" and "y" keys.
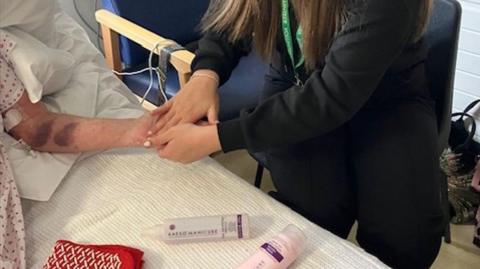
[
  {"x": 132, "y": 73},
  {"x": 150, "y": 65},
  {"x": 150, "y": 85},
  {"x": 150, "y": 57},
  {"x": 150, "y": 68},
  {"x": 163, "y": 92}
]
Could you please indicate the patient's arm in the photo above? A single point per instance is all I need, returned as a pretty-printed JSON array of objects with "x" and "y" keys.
[{"x": 52, "y": 132}]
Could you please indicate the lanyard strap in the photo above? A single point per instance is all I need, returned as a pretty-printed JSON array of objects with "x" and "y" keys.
[{"x": 287, "y": 34}]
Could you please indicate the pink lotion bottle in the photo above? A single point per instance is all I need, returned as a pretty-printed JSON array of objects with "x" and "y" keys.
[{"x": 279, "y": 252}]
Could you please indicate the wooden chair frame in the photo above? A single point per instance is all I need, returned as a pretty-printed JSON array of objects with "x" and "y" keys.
[{"x": 112, "y": 26}]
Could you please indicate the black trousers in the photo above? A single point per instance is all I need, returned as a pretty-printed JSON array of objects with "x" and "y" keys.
[{"x": 381, "y": 168}]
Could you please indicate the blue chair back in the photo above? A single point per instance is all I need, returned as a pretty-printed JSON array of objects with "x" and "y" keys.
[
  {"x": 442, "y": 39},
  {"x": 173, "y": 19}
]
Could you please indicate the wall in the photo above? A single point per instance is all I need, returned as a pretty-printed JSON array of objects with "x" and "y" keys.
[{"x": 467, "y": 80}]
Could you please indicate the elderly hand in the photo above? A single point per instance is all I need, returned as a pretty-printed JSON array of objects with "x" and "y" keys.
[
  {"x": 186, "y": 143},
  {"x": 138, "y": 130},
  {"x": 196, "y": 100}
]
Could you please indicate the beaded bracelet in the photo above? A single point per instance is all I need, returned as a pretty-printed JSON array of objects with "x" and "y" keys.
[{"x": 207, "y": 76}]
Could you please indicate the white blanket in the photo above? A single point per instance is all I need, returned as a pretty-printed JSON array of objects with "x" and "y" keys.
[
  {"x": 111, "y": 198},
  {"x": 91, "y": 91}
]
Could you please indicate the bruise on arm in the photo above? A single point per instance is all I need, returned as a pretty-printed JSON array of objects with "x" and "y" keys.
[
  {"x": 64, "y": 137},
  {"x": 40, "y": 128},
  {"x": 42, "y": 134},
  {"x": 50, "y": 130}
]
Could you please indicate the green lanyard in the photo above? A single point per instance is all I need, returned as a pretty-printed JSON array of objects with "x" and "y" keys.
[{"x": 288, "y": 35}]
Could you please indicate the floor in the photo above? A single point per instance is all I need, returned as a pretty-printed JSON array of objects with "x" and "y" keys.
[{"x": 461, "y": 253}]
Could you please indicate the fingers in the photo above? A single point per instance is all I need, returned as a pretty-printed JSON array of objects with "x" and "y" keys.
[
  {"x": 167, "y": 153},
  {"x": 162, "y": 153},
  {"x": 203, "y": 123},
  {"x": 162, "y": 122},
  {"x": 162, "y": 109},
  {"x": 160, "y": 116},
  {"x": 149, "y": 121},
  {"x": 160, "y": 140},
  {"x": 147, "y": 144},
  {"x": 174, "y": 121},
  {"x": 212, "y": 115}
]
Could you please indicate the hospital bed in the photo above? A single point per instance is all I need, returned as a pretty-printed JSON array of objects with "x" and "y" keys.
[{"x": 112, "y": 197}]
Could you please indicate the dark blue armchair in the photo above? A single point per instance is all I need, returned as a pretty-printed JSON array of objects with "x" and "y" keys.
[{"x": 178, "y": 20}]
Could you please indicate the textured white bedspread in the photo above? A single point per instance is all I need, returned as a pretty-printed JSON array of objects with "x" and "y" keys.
[{"x": 112, "y": 197}]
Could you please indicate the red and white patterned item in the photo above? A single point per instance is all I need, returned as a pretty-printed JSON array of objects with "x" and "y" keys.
[
  {"x": 12, "y": 232},
  {"x": 69, "y": 255}
]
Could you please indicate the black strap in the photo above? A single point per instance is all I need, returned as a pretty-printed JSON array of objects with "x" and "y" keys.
[
  {"x": 470, "y": 106},
  {"x": 163, "y": 61},
  {"x": 472, "y": 130}
]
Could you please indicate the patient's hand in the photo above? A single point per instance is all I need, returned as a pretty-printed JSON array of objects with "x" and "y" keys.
[
  {"x": 138, "y": 133},
  {"x": 55, "y": 132}
]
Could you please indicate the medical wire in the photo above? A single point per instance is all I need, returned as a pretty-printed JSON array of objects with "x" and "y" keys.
[
  {"x": 150, "y": 68},
  {"x": 150, "y": 57}
]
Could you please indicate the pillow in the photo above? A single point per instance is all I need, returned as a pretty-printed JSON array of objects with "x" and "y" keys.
[
  {"x": 32, "y": 16},
  {"x": 42, "y": 70}
]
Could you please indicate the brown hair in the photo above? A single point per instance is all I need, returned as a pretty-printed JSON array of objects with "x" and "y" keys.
[{"x": 320, "y": 21}]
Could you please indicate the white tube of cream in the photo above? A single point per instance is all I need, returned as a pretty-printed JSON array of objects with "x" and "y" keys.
[{"x": 197, "y": 229}]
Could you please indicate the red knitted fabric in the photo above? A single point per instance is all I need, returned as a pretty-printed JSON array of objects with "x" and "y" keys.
[{"x": 67, "y": 254}]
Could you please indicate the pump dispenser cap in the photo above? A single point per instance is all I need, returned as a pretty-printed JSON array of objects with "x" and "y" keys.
[{"x": 297, "y": 237}]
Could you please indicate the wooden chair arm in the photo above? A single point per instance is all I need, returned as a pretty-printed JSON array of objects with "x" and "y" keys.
[{"x": 113, "y": 26}]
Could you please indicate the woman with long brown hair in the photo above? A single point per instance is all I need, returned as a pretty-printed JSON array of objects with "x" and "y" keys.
[{"x": 346, "y": 121}]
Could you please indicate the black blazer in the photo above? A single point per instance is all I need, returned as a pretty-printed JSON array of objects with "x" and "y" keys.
[{"x": 371, "y": 63}]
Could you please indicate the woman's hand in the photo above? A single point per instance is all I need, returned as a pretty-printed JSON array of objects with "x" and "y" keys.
[
  {"x": 186, "y": 143},
  {"x": 196, "y": 100}
]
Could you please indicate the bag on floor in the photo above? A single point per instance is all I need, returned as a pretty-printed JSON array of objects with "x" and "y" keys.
[
  {"x": 464, "y": 149},
  {"x": 476, "y": 186},
  {"x": 459, "y": 162},
  {"x": 476, "y": 238}
]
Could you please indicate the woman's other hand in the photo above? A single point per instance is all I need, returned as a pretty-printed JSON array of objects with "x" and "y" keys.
[
  {"x": 196, "y": 100},
  {"x": 186, "y": 143}
]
